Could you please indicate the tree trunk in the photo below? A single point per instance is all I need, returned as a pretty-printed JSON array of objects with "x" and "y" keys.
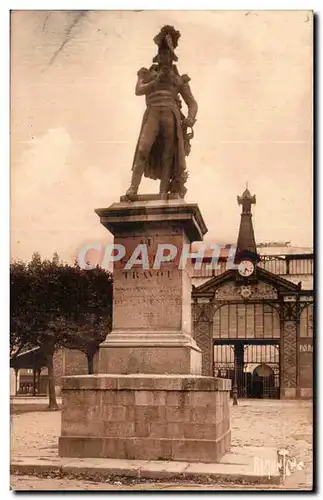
[
  {"x": 34, "y": 382},
  {"x": 51, "y": 383},
  {"x": 38, "y": 381},
  {"x": 90, "y": 357}
]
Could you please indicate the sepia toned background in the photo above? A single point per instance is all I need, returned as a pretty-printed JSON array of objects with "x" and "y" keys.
[{"x": 75, "y": 120}]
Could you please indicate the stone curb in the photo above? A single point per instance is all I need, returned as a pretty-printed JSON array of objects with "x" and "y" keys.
[{"x": 160, "y": 470}]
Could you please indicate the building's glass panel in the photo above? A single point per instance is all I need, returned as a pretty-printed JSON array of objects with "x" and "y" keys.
[
  {"x": 232, "y": 321},
  {"x": 306, "y": 322},
  {"x": 241, "y": 321},
  {"x": 259, "y": 325}
]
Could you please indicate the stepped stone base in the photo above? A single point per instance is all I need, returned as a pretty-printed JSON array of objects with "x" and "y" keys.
[
  {"x": 150, "y": 417},
  {"x": 150, "y": 353}
]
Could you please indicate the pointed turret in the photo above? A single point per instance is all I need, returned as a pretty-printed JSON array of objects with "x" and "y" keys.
[{"x": 246, "y": 244}]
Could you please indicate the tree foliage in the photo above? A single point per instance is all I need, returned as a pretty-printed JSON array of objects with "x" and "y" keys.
[{"x": 56, "y": 305}]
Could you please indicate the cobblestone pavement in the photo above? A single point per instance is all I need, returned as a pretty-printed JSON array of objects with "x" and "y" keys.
[{"x": 283, "y": 424}]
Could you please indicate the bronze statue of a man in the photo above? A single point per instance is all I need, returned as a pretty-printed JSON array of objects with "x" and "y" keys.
[{"x": 164, "y": 141}]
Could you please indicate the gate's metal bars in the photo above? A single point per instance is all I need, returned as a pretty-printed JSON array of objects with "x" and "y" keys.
[{"x": 260, "y": 368}]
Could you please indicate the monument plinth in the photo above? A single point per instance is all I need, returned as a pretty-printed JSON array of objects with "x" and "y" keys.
[
  {"x": 152, "y": 299},
  {"x": 148, "y": 399},
  {"x": 145, "y": 417}
]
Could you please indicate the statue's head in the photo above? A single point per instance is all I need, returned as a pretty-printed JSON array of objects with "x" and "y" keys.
[
  {"x": 167, "y": 41},
  {"x": 167, "y": 35}
]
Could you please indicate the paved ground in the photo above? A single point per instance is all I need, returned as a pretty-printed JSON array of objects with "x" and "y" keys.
[
  {"x": 283, "y": 424},
  {"x": 40, "y": 484},
  {"x": 32, "y": 400}
]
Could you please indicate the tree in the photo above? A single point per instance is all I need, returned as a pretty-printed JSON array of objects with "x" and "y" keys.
[
  {"x": 20, "y": 317},
  {"x": 84, "y": 335},
  {"x": 89, "y": 318},
  {"x": 56, "y": 305}
]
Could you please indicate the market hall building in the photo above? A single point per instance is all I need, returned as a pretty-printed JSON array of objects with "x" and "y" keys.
[{"x": 254, "y": 323}]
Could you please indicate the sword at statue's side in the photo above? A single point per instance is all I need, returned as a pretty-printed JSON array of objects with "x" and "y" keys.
[{"x": 187, "y": 137}]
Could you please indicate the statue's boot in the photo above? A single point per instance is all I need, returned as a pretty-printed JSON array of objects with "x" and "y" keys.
[
  {"x": 135, "y": 182},
  {"x": 164, "y": 181}
]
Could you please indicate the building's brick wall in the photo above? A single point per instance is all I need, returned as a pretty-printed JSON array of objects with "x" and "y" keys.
[
  {"x": 306, "y": 352},
  {"x": 306, "y": 364}
]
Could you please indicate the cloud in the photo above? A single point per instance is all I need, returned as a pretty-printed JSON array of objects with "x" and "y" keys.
[
  {"x": 51, "y": 204},
  {"x": 42, "y": 163},
  {"x": 75, "y": 125}
]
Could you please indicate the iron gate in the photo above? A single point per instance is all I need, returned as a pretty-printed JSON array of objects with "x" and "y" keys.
[{"x": 258, "y": 374}]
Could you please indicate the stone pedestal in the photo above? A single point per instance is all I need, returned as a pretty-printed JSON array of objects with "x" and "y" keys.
[
  {"x": 145, "y": 417},
  {"x": 151, "y": 304},
  {"x": 148, "y": 399}
]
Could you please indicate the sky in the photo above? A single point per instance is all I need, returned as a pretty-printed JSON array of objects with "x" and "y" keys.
[{"x": 75, "y": 121}]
